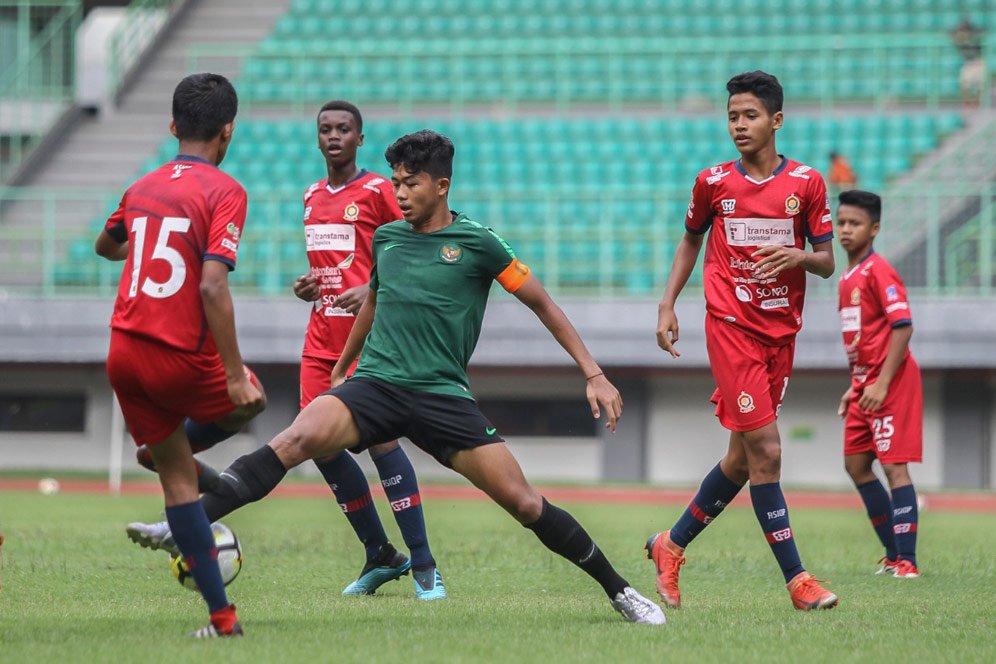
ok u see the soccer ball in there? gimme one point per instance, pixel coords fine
(229, 558)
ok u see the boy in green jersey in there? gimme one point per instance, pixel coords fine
(417, 329)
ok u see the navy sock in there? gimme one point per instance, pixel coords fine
(879, 508)
(352, 492)
(715, 493)
(561, 533)
(192, 532)
(249, 478)
(772, 514)
(205, 436)
(401, 486)
(904, 521)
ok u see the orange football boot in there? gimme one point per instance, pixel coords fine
(668, 559)
(906, 570)
(807, 593)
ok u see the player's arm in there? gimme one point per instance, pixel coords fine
(112, 243)
(685, 257)
(873, 395)
(773, 260)
(600, 391)
(220, 313)
(356, 339)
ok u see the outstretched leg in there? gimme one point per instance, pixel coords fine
(494, 470)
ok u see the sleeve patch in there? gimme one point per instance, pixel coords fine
(514, 276)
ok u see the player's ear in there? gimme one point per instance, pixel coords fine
(443, 187)
(172, 128)
(360, 141)
(227, 131)
(876, 227)
(777, 120)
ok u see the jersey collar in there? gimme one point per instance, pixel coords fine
(847, 275)
(336, 190)
(196, 160)
(743, 171)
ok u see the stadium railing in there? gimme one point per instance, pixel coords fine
(36, 83)
(136, 33)
(613, 258)
(918, 70)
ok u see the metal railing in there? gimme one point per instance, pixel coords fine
(136, 33)
(37, 85)
(915, 70)
(610, 254)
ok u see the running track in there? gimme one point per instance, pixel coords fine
(940, 502)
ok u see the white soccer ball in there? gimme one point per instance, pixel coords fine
(48, 486)
(229, 558)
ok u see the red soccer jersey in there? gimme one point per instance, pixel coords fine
(872, 302)
(338, 229)
(785, 209)
(178, 216)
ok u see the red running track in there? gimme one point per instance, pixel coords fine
(940, 502)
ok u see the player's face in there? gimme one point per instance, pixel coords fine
(418, 194)
(750, 125)
(338, 137)
(855, 228)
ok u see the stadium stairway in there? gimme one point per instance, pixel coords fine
(106, 151)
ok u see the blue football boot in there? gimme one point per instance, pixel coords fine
(389, 565)
(428, 584)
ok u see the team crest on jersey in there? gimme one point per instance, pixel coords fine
(745, 402)
(856, 296)
(234, 231)
(178, 170)
(450, 253)
(345, 263)
(352, 212)
(729, 205)
(792, 204)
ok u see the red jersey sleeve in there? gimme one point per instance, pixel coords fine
(819, 221)
(700, 212)
(115, 225)
(227, 220)
(891, 293)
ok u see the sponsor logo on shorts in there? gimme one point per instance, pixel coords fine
(777, 303)
(490, 430)
(745, 402)
(756, 232)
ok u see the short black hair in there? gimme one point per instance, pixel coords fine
(340, 105)
(762, 85)
(423, 150)
(866, 200)
(202, 105)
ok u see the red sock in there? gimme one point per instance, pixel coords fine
(224, 619)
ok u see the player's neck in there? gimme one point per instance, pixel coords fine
(201, 150)
(858, 255)
(762, 164)
(439, 220)
(339, 177)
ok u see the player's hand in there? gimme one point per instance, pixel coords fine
(603, 395)
(667, 330)
(352, 299)
(306, 287)
(243, 393)
(776, 259)
(337, 379)
(873, 396)
(845, 401)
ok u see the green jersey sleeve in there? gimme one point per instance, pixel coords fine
(501, 262)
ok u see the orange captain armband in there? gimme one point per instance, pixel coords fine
(513, 276)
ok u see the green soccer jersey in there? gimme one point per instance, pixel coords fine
(432, 289)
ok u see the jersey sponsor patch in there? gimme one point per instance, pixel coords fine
(330, 237)
(850, 319)
(752, 232)
(776, 303)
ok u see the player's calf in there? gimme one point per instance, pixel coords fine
(207, 477)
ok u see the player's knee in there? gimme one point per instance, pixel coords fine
(295, 445)
(897, 474)
(377, 451)
(527, 506)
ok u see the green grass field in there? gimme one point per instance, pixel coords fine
(75, 589)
